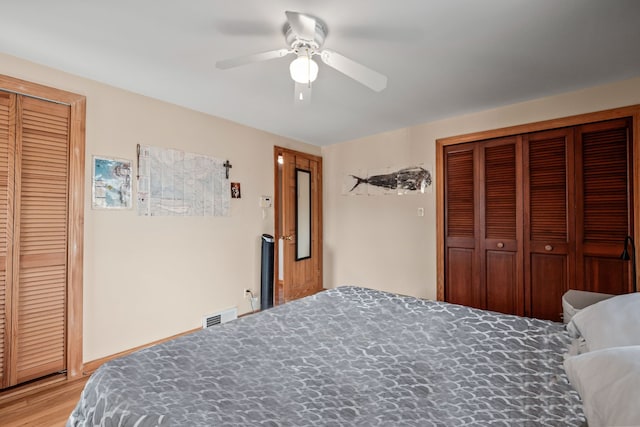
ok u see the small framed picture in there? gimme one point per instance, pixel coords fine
(235, 190)
(111, 183)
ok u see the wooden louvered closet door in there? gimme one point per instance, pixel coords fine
(605, 214)
(483, 210)
(35, 199)
(462, 263)
(528, 217)
(7, 136)
(501, 225)
(549, 253)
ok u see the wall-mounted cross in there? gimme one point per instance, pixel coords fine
(227, 166)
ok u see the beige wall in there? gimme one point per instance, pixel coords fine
(149, 278)
(380, 241)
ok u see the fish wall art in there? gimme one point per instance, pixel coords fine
(414, 179)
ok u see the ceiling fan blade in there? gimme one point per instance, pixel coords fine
(303, 25)
(256, 57)
(356, 71)
(302, 94)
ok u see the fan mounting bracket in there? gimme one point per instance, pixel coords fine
(292, 39)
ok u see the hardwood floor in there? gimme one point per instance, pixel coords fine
(46, 408)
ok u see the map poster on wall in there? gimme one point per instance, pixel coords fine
(177, 183)
(111, 183)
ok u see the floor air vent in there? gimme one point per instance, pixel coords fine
(220, 317)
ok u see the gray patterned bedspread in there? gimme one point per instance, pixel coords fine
(344, 357)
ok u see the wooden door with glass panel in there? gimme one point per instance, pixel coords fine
(298, 201)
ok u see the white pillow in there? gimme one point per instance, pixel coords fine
(608, 382)
(614, 322)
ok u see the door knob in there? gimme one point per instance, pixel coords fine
(548, 248)
(500, 245)
(289, 237)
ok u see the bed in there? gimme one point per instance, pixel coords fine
(348, 356)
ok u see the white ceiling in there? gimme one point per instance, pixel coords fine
(442, 57)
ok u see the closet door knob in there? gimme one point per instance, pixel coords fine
(500, 245)
(548, 248)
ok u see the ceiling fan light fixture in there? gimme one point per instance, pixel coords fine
(303, 69)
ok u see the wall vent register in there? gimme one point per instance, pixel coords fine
(219, 317)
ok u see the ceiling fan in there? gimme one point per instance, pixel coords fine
(305, 35)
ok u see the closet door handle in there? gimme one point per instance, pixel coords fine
(500, 245)
(548, 248)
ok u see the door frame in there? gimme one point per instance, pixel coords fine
(75, 221)
(317, 248)
(632, 111)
